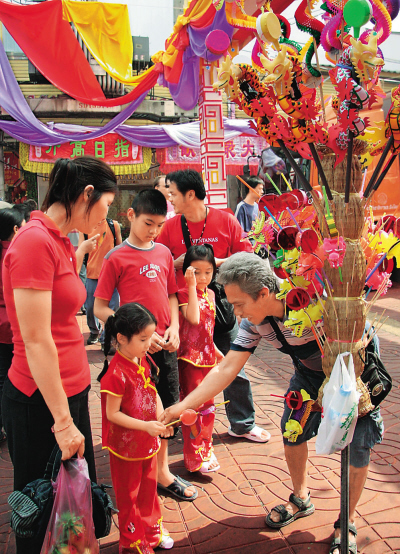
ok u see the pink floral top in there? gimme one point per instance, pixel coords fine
(132, 383)
(197, 341)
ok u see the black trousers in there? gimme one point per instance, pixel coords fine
(27, 422)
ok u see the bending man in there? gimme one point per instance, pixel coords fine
(251, 287)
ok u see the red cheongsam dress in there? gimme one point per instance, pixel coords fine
(133, 458)
(196, 356)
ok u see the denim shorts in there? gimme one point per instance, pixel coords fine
(368, 431)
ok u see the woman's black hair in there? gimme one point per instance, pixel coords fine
(130, 319)
(203, 252)
(69, 178)
(9, 218)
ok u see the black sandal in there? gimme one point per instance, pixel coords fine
(306, 508)
(177, 488)
(336, 542)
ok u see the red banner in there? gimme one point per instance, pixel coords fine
(11, 168)
(236, 153)
(111, 148)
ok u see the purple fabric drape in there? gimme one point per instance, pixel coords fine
(186, 92)
(28, 128)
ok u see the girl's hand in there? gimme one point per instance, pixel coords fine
(70, 441)
(190, 277)
(155, 428)
(157, 343)
(89, 245)
(169, 431)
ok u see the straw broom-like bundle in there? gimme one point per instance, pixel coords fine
(345, 313)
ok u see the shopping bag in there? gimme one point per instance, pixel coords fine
(339, 408)
(70, 529)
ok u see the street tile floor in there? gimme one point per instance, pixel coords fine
(228, 515)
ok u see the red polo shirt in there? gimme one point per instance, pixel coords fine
(41, 257)
(221, 230)
(144, 275)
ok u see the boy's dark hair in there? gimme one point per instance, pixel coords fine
(202, 252)
(253, 182)
(9, 217)
(188, 179)
(150, 201)
(29, 206)
(69, 178)
(130, 319)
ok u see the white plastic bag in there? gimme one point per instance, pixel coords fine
(339, 408)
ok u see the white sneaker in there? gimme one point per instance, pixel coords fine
(167, 542)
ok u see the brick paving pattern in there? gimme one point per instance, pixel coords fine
(228, 515)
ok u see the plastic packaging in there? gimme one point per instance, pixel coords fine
(70, 529)
(339, 408)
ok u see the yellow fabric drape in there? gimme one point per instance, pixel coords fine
(195, 10)
(106, 31)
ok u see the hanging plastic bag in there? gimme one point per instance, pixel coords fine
(70, 529)
(339, 408)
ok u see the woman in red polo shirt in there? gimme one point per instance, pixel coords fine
(45, 397)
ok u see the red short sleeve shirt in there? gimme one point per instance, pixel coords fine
(131, 382)
(42, 258)
(222, 231)
(140, 275)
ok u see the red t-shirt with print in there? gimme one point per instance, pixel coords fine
(41, 257)
(140, 275)
(222, 231)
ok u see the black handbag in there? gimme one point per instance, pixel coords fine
(225, 318)
(31, 507)
(375, 376)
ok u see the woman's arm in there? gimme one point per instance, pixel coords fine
(114, 415)
(33, 309)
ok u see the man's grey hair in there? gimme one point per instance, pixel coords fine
(249, 272)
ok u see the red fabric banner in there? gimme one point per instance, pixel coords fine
(49, 42)
(111, 148)
(236, 153)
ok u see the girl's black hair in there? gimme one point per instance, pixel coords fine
(69, 178)
(203, 252)
(130, 319)
(9, 218)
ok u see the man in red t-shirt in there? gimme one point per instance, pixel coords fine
(224, 233)
(143, 271)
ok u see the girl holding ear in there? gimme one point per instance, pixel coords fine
(45, 396)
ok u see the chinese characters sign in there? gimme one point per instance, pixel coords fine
(236, 154)
(11, 168)
(111, 148)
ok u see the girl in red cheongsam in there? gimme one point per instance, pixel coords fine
(197, 353)
(130, 405)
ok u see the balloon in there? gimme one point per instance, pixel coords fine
(357, 13)
(188, 417)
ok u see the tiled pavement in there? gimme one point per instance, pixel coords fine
(228, 516)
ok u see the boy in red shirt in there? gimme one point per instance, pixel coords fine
(143, 271)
